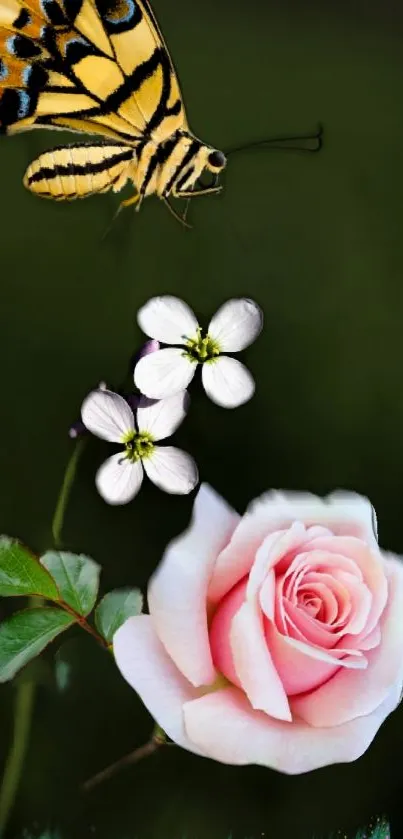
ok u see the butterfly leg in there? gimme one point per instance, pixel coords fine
(179, 218)
(210, 190)
(135, 199)
(128, 202)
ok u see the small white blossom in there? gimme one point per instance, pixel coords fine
(165, 372)
(107, 415)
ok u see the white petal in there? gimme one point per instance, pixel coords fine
(147, 667)
(227, 382)
(162, 417)
(177, 592)
(167, 319)
(164, 373)
(236, 324)
(172, 470)
(107, 415)
(118, 480)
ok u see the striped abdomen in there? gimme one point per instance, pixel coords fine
(72, 172)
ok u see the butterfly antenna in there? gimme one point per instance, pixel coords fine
(185, 212)
(311, 143)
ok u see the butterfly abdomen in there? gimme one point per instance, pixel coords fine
(78, 171)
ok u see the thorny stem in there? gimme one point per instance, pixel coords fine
(25, 691)
(157, 739)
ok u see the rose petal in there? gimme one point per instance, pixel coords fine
(342, 512)
(236, 324)
(228, 730)
(107, 415)
(361, 601)
(370, 563)
(254, 665)
(267, 595)
(298, 673)
(147, 668)
(220, 629)
(162, 417)
(350, 694)
(177, 591)
(118, 480)
(164, 373)
(227, 382)
(248, 547)
(168, 319)
(171, 469)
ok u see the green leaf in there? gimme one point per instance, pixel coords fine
(25, 634)
(21, 572)
(115, 608)
(77, 578)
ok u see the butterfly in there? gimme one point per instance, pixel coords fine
(99, 67)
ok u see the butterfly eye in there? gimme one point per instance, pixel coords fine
(216, 160)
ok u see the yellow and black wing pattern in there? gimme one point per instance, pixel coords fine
(98, 67)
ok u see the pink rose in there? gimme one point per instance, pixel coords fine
(275, 638)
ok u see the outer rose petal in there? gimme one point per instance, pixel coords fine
(168, 319)
(147, 668)
(353, 693)
(177, 591)
(344, 513)
(236, 324)
(228, 730)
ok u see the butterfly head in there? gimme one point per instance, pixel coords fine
(216, 161)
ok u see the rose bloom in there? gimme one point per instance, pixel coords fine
(275, 638)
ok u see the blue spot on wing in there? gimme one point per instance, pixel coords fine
(123, 13)
(24, 104)
(26, 75)
(3, 71)
(10, 45)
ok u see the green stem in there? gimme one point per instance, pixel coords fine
(16, 756)
(64, 494)
(158, 738)
(25, 692)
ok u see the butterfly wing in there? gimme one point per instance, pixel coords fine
(98, 66)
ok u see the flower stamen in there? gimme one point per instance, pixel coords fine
(138, 445)
(201, 348)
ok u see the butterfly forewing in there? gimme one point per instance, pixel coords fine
(84, 62)
(96, 67)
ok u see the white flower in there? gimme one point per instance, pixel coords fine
(107, 415)
(165, 372)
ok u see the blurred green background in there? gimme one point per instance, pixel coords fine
(317, 241)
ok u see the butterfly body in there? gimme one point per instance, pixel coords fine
(98, 67)
(77, 171)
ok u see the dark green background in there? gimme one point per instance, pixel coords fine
(317, 241)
